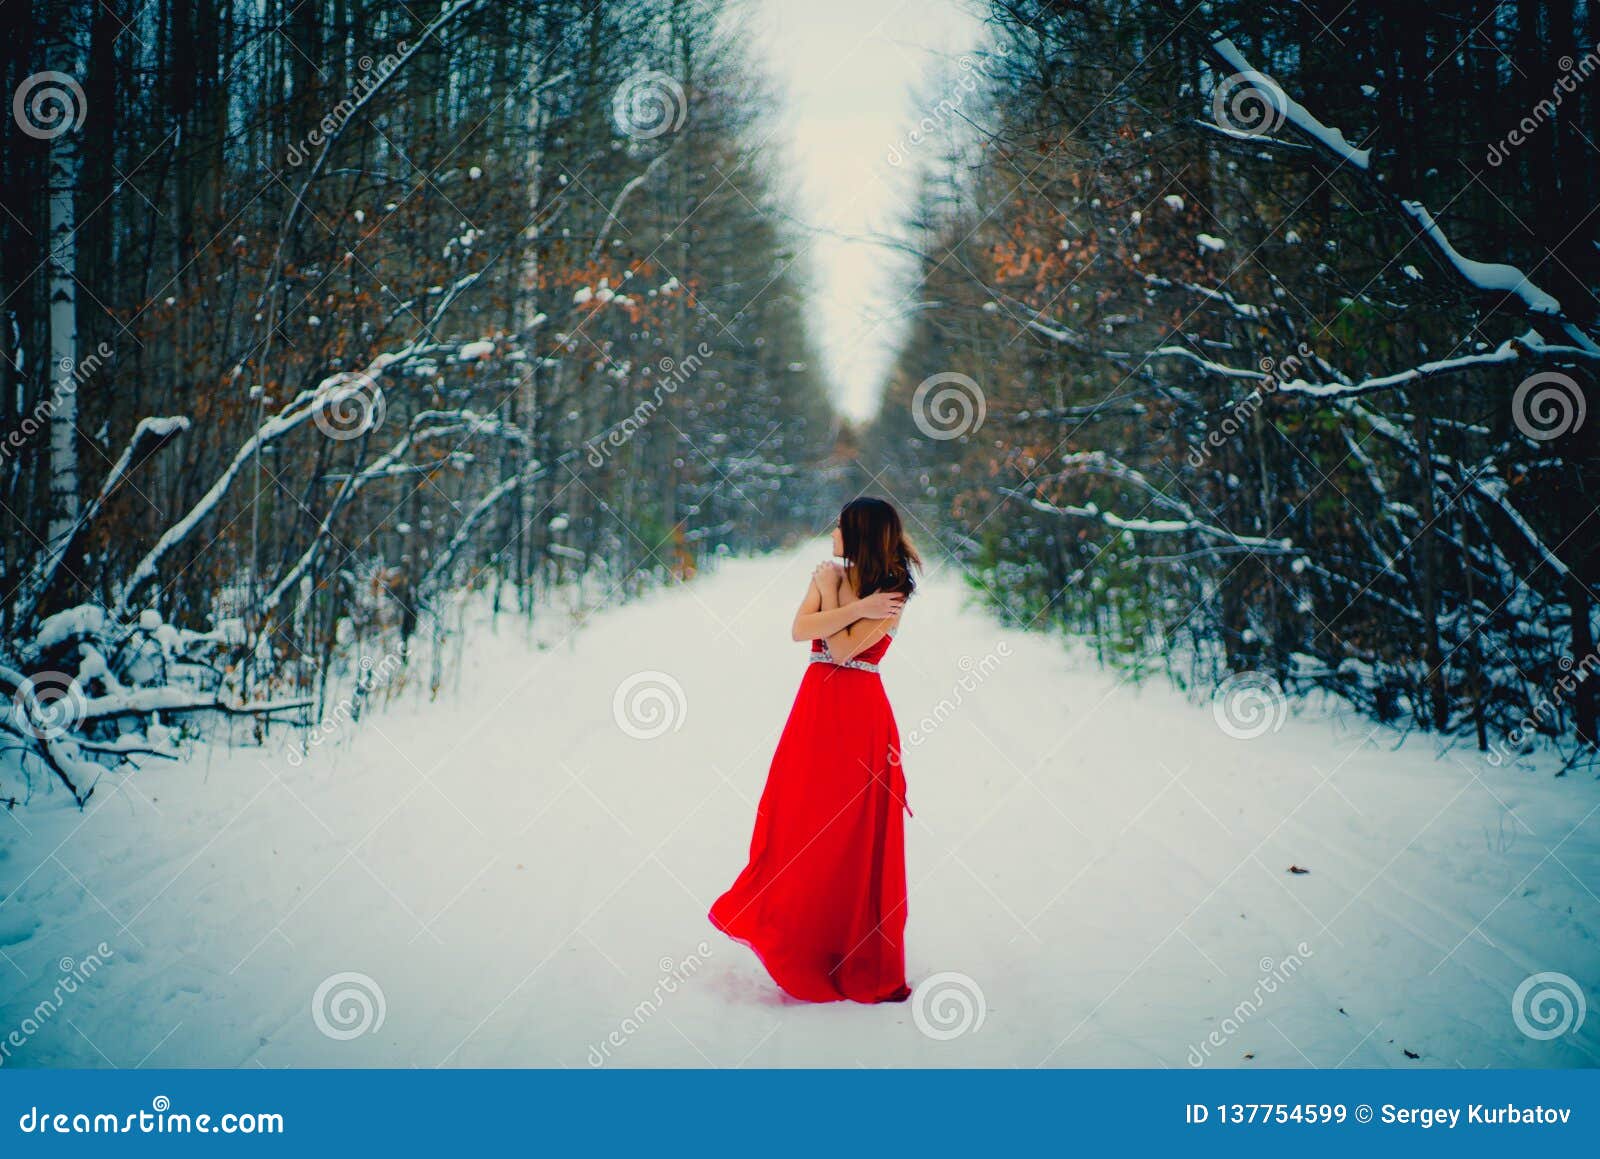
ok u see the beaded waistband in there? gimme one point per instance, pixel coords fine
(823, 657)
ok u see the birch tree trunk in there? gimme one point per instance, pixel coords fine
(61, 268)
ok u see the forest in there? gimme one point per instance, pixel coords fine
(317, 313)
(1250, 342)
(1255, 342)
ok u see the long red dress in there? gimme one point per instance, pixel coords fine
(823, 900)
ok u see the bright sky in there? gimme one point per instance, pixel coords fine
(853, 77)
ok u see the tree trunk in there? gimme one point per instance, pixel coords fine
(61, 268)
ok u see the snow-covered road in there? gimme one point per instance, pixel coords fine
(1099, 873)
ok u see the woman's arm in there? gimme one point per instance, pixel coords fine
(879, 613)
(823, 614)
(859, 635)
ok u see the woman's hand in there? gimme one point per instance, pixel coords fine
(828, 576)
(880, 605)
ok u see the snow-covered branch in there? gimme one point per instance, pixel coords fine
(333, 394)
(1485, 277)
(1528, 347)
(1487, 485)
(1293, 111)
(1155, 526)
(1207, 364)
(1188, 521)
(507, 486)
(1490, 277)
(1245, 310)
(613, 214)
(1036, 321)
(334, 391)
(149, 434)
(425, 426)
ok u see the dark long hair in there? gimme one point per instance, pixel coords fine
(875, 544)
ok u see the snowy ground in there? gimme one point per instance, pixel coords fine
(1103, 867)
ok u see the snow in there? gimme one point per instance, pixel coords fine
(1494, 277)
(165, 426)
(472, 351)
(1507, 351)
(1243, 309)
(1174, 202)
(1208, 364)
(166, 697)
(1511, 350)
(1293, 111)
(1210, 242)
(70, 624)
(522, 879)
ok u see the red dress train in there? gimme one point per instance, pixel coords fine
(822, 901)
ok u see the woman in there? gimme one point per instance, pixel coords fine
(823, 899)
